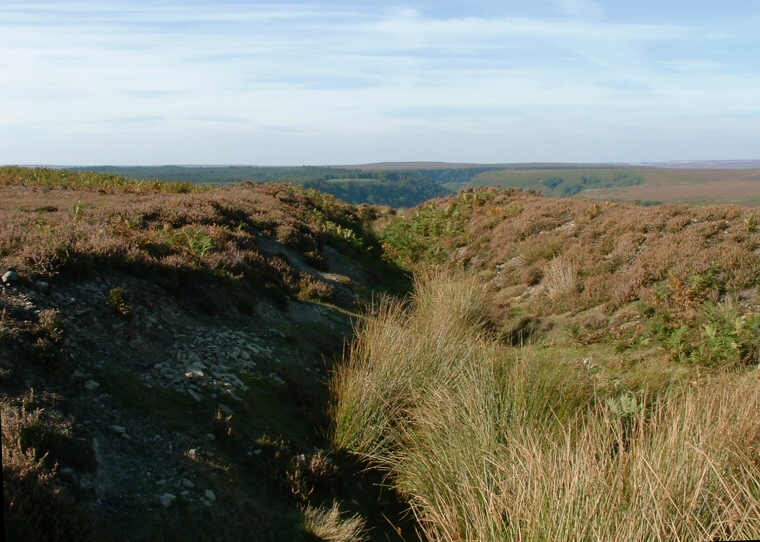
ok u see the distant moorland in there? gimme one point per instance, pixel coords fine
(404, 185)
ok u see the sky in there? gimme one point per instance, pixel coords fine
(156, 82)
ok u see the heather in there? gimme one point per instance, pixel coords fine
(565, 369)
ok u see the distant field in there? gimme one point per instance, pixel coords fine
(723, 191)
(636, 183)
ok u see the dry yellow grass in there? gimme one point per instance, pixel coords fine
(495, 443)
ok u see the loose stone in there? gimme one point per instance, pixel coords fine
(167, 499)
(227, 410)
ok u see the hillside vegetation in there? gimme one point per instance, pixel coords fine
(164, 352)
(357, 186)
(559, 369)
(575, 370)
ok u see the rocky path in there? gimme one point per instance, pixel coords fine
(177, 419)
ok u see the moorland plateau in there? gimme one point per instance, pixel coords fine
(408, 184)
(265, 362)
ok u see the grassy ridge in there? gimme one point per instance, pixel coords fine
(683, 279)
(494, 443)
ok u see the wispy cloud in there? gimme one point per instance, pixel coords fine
(334, 72)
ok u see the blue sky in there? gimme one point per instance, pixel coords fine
(296, 82)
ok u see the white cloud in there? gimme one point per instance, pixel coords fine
(317, 78)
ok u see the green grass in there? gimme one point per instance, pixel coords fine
(432, 231)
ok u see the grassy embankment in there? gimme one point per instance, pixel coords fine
(594, 378)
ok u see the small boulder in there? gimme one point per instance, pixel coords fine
(167, 499)
(91, 385)
(42, 286)
(10, 276)
(226, 410)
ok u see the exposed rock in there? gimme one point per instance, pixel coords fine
(210, 496)
(42, 286)
(91, 385)
(194, 394)
(120, 430)
(187, 483)
(78, 376)
(226, 410)
(167, 499)
(10, 276)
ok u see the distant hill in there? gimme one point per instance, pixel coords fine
(706, 164)
(406, 184)
(396, 188)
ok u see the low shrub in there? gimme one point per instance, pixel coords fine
(34, 506)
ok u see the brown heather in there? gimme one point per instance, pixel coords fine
(233, 252)
(620, 251)
(187, 237)
(606, 390)
(34, 506)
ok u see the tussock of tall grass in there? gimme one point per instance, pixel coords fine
(489, 443)
(560, 279)
(328, 525)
